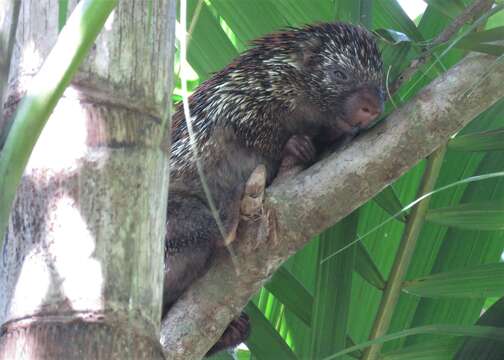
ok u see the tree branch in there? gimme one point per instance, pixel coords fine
(470, 14)
(300, 207)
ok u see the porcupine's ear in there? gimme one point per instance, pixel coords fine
(308, 51)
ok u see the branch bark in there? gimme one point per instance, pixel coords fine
(9, 15)
(300, 207)
(470, 13)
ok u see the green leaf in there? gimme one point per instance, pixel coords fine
(474, 348)
(387, 199)
(494, 34)
(488, 215)
(209, 48)
(450, 8)
(496, 20)
(333, 288)
(394, 61)
(366, 267)
(458, 248)
(264, 341)
(392, 36)
(356, 11)
(495, 50)
(271, 308)
(249, 19)
(389, 14)
(434, 350)
(222, 355)
(62, 13)
(289, 291)
(298, 13)
(303, 266)
(465, 247)
(486, 332)
(481, 141)
(242, 354)
(475, 282)
(356, 354)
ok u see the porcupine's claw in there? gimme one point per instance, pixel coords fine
(300, 150)
(236, 333)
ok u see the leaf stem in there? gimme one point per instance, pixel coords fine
(404, 254)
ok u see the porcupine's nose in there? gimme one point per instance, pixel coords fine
(370, 106)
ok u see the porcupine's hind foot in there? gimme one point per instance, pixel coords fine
(250, 211)
(298, 152)
(236, 333)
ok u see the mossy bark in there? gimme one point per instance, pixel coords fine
(82, 267)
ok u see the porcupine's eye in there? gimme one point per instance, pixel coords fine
(340, 75)
(337, 74)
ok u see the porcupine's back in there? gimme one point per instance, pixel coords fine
(251, 99)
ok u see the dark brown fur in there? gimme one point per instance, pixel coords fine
(279, 103)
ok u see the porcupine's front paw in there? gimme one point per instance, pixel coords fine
(298, 153)
(299, 150)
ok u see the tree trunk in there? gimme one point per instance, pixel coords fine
(81, 271)
(9, 13)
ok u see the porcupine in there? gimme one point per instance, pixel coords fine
(280, 103)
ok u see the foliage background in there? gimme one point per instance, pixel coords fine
(312, 309)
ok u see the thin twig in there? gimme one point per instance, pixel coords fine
(469, 14)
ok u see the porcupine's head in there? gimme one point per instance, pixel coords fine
(338, 74)
(347, 66)
(321, 80)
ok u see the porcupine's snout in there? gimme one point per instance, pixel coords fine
(364, 107)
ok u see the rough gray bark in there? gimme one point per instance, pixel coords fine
(82, 267)
(9, 13)
(300, 207)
